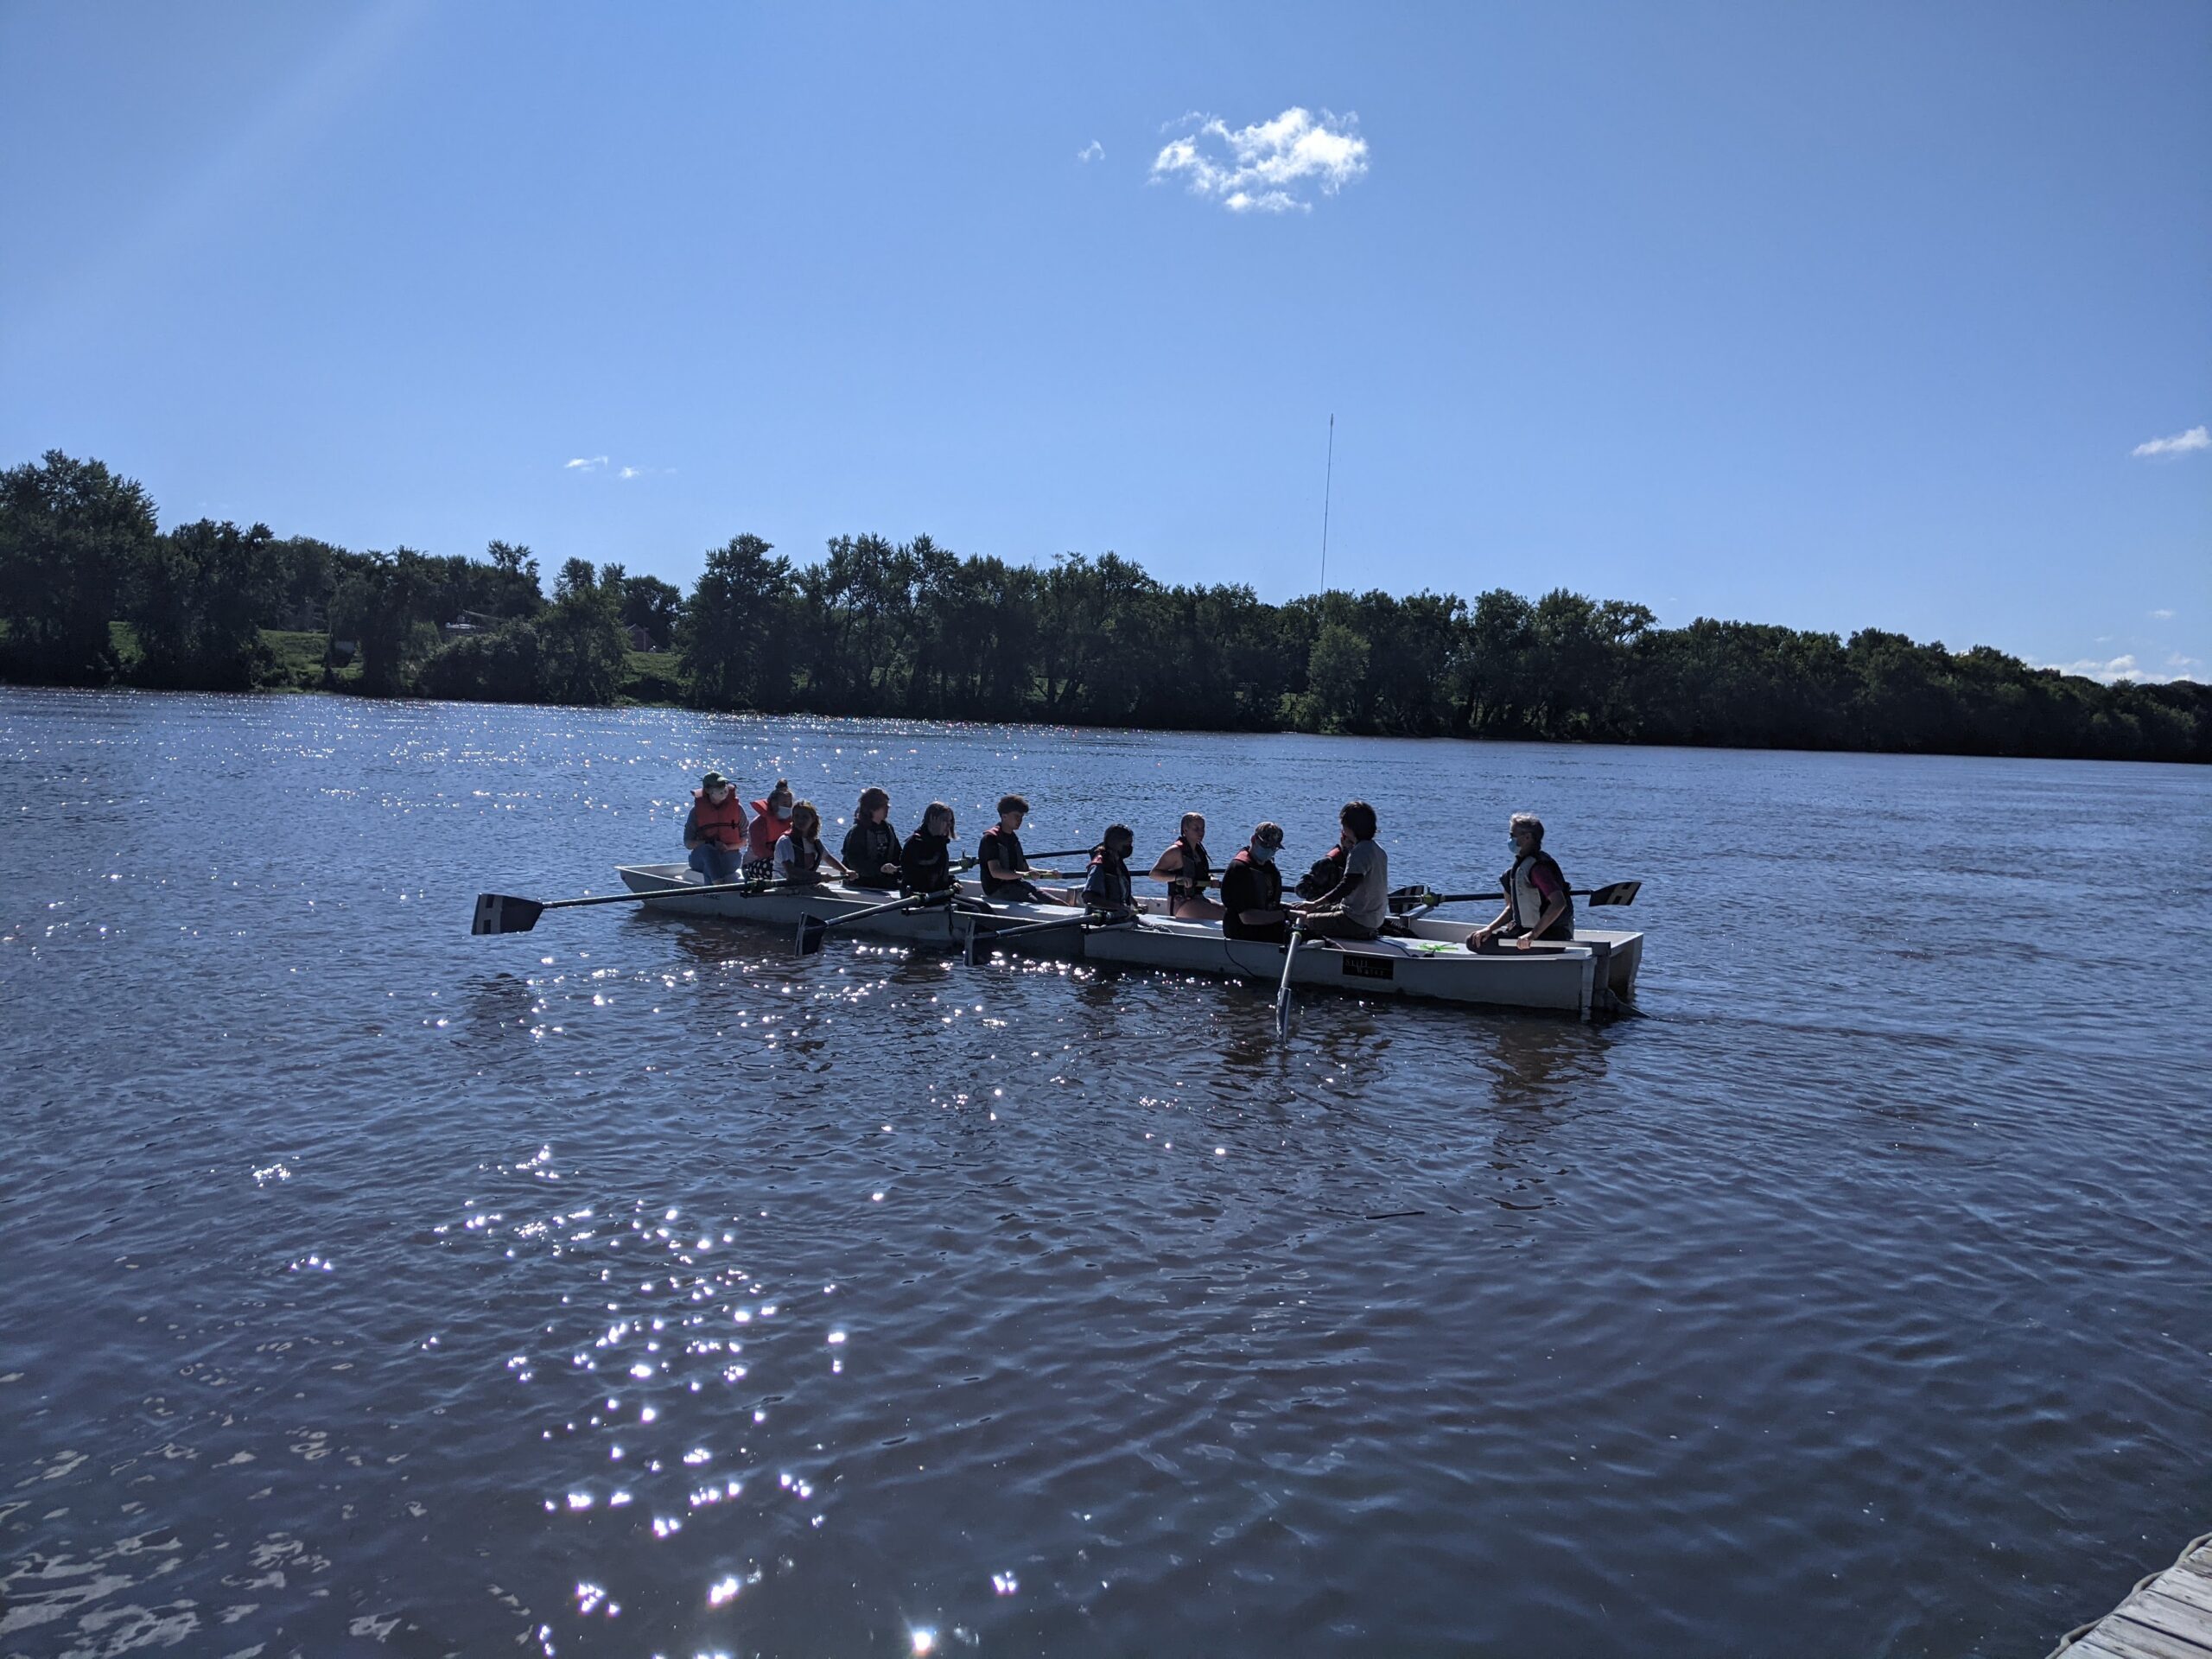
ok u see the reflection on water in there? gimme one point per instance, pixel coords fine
(632, 1286)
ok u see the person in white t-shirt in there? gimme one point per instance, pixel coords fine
(1357, 905)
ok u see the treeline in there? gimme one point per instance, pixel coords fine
(875, 628)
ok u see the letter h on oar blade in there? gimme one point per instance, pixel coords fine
(501, 912)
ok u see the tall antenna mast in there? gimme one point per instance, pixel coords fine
(1327, 478)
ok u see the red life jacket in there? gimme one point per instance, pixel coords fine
(768, 829)
(723, 825)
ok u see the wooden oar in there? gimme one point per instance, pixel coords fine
(1282, 991)
(1027, 929)
(502, 913)
(812, 928)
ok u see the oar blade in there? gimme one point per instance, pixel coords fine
(1616, 892)
(810, 930)
(502, 913)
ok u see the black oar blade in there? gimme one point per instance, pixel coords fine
(1616, 893)
(501, 913)
(810, 930)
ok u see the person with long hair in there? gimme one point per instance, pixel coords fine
(871, 849)
(799, 854)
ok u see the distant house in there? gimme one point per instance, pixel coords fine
(469, 622)
(640, 639)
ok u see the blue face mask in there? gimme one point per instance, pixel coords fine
(1262, 855)
(1514, 848)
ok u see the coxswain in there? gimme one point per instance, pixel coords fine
(1538, 903)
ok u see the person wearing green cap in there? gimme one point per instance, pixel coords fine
(713, 832)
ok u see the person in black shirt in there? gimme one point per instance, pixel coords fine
(1005, 868)
(871, 849)
(1251, 891)
(926, 864)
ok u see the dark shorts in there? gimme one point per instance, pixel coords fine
(1017, 893)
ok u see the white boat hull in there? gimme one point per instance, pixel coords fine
(1593, 974)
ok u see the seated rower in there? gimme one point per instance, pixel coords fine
(1251, 891)
(925, 866)
(871, 849)
(772, 818)
(1106, 891)
(1188, 873)
(1004, 868)
(1538, 905)
(1324, 872)
(713, 830)
(1357, 905)
(799, 852)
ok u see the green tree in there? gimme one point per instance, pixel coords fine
(581, 653)
(1336, 678)
(733, 640)
(71, 534)
(389, 607)
(197, 603)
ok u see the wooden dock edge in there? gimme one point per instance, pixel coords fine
(2166, 1616)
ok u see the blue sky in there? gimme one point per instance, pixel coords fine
(1837, 316)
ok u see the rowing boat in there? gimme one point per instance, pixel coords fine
(1594, 974)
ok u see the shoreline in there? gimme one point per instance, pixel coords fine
(1534, 739)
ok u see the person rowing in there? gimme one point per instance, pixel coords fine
(1106, 891)
(1188, 873)
(1357, 905)
(1538, 903)
(1251, 891)
(715, 831)
(1004, 866)
(771, 820)
(799, 852)
(871, 849)
(925, 865)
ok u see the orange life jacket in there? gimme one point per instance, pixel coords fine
(723, 825)
(768, 829)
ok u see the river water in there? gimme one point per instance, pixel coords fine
(629, 1286)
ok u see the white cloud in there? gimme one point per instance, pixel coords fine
(2163, 614)
(1268, 167)
(2108, 669)
(2112, 669)
(1091, 152)
(2182, 443)
(585, 464)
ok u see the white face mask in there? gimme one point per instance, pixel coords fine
(783, 812)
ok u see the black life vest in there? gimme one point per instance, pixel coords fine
(805, 859)
(999, 847)
(1198, 870)
(868, 847)
(1327, 870)
(1527, 904)
(926, 865)
(1108, 886)
(1247, 884)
